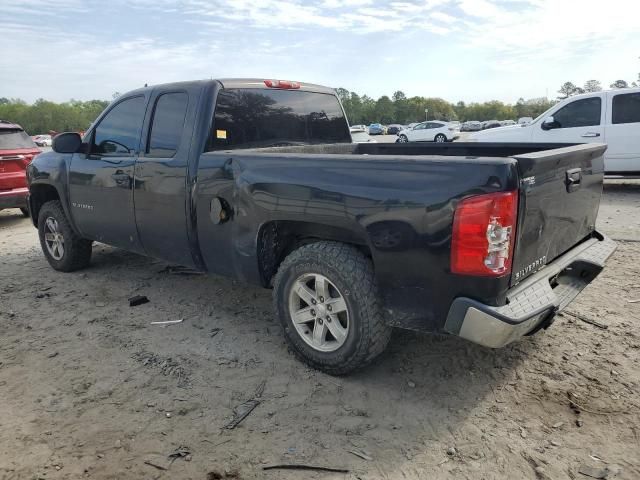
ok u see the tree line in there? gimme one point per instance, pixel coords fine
(74, 115)
(362, 109)
(43, 115)
(402, 109)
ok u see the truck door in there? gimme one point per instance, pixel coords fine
(160, 191)
(579, 121)
(623, 133)
(101, 181)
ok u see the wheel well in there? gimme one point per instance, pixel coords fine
(41, 194)
(278, 239)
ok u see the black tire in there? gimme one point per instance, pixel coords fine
(403, 139)
(440, 138)
(352, 274)
(77, 250)
(25, 212)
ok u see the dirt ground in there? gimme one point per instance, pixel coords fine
(90, 389)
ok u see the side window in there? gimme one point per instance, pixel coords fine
(118, 132)
(626, 108)
(167, 125)
(581, 113)
(420, 126)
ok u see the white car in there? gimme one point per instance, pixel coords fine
(430, 132)
(611, 117)
(524, 120)
(43, 140)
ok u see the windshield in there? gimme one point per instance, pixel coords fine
(253, 118)
(14, 139)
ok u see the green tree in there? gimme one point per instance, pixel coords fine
(384, 110)
(566, 90)
(619, 84)
(592, 86)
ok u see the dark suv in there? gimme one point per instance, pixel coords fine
(17, 149)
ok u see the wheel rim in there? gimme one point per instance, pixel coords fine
(53, 239)
(403, 139)
(319, 312)
(440, 138)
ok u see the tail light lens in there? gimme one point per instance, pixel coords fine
(484, 229)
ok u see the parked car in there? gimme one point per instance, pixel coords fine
(16, 151)
(42, 140)
(611, 116)
(353, 238)
(376, 129)
(429, 132)
(394, 129)
(360, 136)
(357, 128)
(524, 120)
(490, 124)
(506, 123)
(471, 126)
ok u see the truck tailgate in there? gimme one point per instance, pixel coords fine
(560, 193)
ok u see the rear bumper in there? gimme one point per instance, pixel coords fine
(532, 303)
(14, 198)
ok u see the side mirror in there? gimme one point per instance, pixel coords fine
(549, 123)
(68, 142)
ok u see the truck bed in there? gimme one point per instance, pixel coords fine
(399, 200)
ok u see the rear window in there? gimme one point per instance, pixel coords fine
(12, 139)
(626, 108)
(254, 118)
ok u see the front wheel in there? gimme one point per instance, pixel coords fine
(440, 138)
(326, 297)
(63, 248)
(403, 139)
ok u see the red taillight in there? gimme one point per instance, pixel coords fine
(484, 228)
(286, 84)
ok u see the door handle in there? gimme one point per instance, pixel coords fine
(591, 135)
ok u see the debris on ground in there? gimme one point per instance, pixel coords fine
(243, 410)
(305, 467)
(216, 475)
(138, 300)
(155, 465)
(360, 454)
(609, 471)
(168, 322)
(588, 320)
(180, 270)
(214, 332)
(180, 452)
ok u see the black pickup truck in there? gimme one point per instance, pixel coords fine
(259, 180)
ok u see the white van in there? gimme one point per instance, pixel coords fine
(611, 117)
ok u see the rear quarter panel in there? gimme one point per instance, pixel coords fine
(401, 208)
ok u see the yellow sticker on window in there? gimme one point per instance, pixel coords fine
(221, 134)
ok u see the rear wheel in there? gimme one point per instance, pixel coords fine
(440, 138)
(403, 139)
(326, 297)
(63, 248)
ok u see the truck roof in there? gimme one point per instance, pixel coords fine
(240, 83)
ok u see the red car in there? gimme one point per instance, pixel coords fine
(16, 151)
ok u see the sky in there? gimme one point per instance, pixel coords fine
(470, 50)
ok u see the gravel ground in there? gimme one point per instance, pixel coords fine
(90, 389)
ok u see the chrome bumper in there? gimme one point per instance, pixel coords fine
(532, 302)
